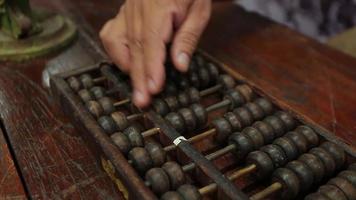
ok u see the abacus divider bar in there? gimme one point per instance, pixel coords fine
(134, 116)
(122, 102)
(150, 132)
(221, 104)
(267, 191)
(193, 139)
(99, 79)
(210, 90)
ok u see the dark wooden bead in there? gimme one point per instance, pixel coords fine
(120, 119)
(200, 113)
(87, 81)
(194, 95)
(348, 175)
(200, 61)
(85, 95)
(316, 196)
(277, 155)
(175, 174)
(95, 108)
(190, 120)
(246, 92)
(256, 111)
(107, 124)
(344, 185)
(266, 105)
(177, 121)
(189, 192)
(310, 135)
(288, 147)
(332, 192)
(98, 92)
(276, 124)
(74, 83)
(184, 99)
(171, 195)
(303, 173)
(134, 135)
(352, 167)
(336, 152)
(236, 99)
(233, 120)
(223, 129)
(107, 104)
(213, 72)
(183, 83)
(204, 77)
(255, 136)
(244, 115)
(299, 140)
(158, 179)
(122, 142)
(170, 89)
(243, 145)
(226, 81)
(140, 159)
(157, 154)
(326, 158)
(315, 165)
(287, 119)
(194, 79)
(289, 181)
(266, 130)
(172, 103)
(160, 106)
(263, 163)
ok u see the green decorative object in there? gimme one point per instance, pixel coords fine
(27, 33)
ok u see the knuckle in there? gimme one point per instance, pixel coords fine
(189, 38)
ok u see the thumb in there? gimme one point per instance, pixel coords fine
(187, 36)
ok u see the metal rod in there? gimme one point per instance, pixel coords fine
(210, 90)
(99, 79)
(219, 105)
(150, 132)
(122, 102)
(267, 191)
(134, 116)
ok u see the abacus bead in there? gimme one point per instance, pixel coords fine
(233, 120)
(326, 158)
(244, 115)
(348, 175)
(133, 133)
(98, 92)
(190, 120)
(189, 192)
(255, 136)
(194, 95)
(223, 129)
(120, 119)
(184, 99)
(157, 154)
(86, 80)
(74, 83)
(85, 95)
(263, 163)
(276, 153)
(288, 147)
(309, 134)
(200, 61)
(303, 173)
(108, 124)
(160, 106)
(299, 141)
(200, 113)
(287, 119)
(226, 81)
(345, 186)
(266, 130)
(243, 144)
(246, 92)
(352, 167)
(315, 165)
(256, 111)
(316, 196)
(332, 192)
(194, 79)
(276, 124)
(183, 82)
(235, 97)
(177, 121)
(122, 142)
(289, 181)
(172, 103)
(213, 72)
(170, 88)
(175, 174)
(171, 195)
(265, 104)
(337, 153)
(95, 108)
(204, 77)
(107, 104)
(140, 158)
(158, 179)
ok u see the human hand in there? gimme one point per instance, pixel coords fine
(136, 40)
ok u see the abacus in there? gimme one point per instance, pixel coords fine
(208, 135)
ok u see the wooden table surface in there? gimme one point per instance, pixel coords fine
(43, 156)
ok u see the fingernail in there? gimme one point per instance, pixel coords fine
(139, 97)
(183, 59)
(152, 84)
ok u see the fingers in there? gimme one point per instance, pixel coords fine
(188, 34)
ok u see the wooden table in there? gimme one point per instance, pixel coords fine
(43, 156)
